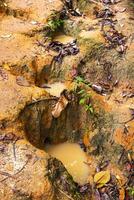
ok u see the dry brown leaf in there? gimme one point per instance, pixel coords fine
(20, 80)
(86, 140)
(60, 106)
(3, 74)
(101, 178)
(121, 193)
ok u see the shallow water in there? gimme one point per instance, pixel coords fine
(73, 158)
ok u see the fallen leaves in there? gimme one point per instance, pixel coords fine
(86, 140)
(114, 38)
(121, 188)
(20, 80)
(69, 9)
(10, 137)
(60, 106)
(121, 193)
(101, 178)
(3, 74)
(63, 49)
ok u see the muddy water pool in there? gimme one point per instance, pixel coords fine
(73, 158)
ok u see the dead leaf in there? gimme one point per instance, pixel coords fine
(20, 80)
(121, 189)
(121, 193)
(3, 75)
(60, 106)
(86, 140)
(129, 157)
(101, 178)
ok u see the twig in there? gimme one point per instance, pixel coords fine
(65, 194)
(22, 167)
(5, 174)
(14, 149)
(12, 176)
(87, 163)
(127, 121)
(45, 99)
(121, 156)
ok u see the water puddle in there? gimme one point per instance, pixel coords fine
(63, 38)
(73, 158)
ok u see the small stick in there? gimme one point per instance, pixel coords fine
(127, 121)
(121, 156)
(12, 176)
(45, 99)
(65, 194)
(5, 174)
(87, 163)
(14, 149)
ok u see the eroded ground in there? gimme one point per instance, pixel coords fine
(78, 91)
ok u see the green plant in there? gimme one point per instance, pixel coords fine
(54, 24)
(84, 96)
(79, 79)
(131, 191)
(85, 100)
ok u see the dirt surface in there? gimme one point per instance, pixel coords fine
(30, 68)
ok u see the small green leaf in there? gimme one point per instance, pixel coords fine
(79, 79)
(131, 191)
(82, 101)
(91, 110)
(81, 91)
(89, 84)
(86, 107)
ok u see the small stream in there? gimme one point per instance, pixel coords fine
(73, 158)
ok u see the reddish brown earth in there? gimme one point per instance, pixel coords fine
(26, 108)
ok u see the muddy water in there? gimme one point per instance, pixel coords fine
(73, 158)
